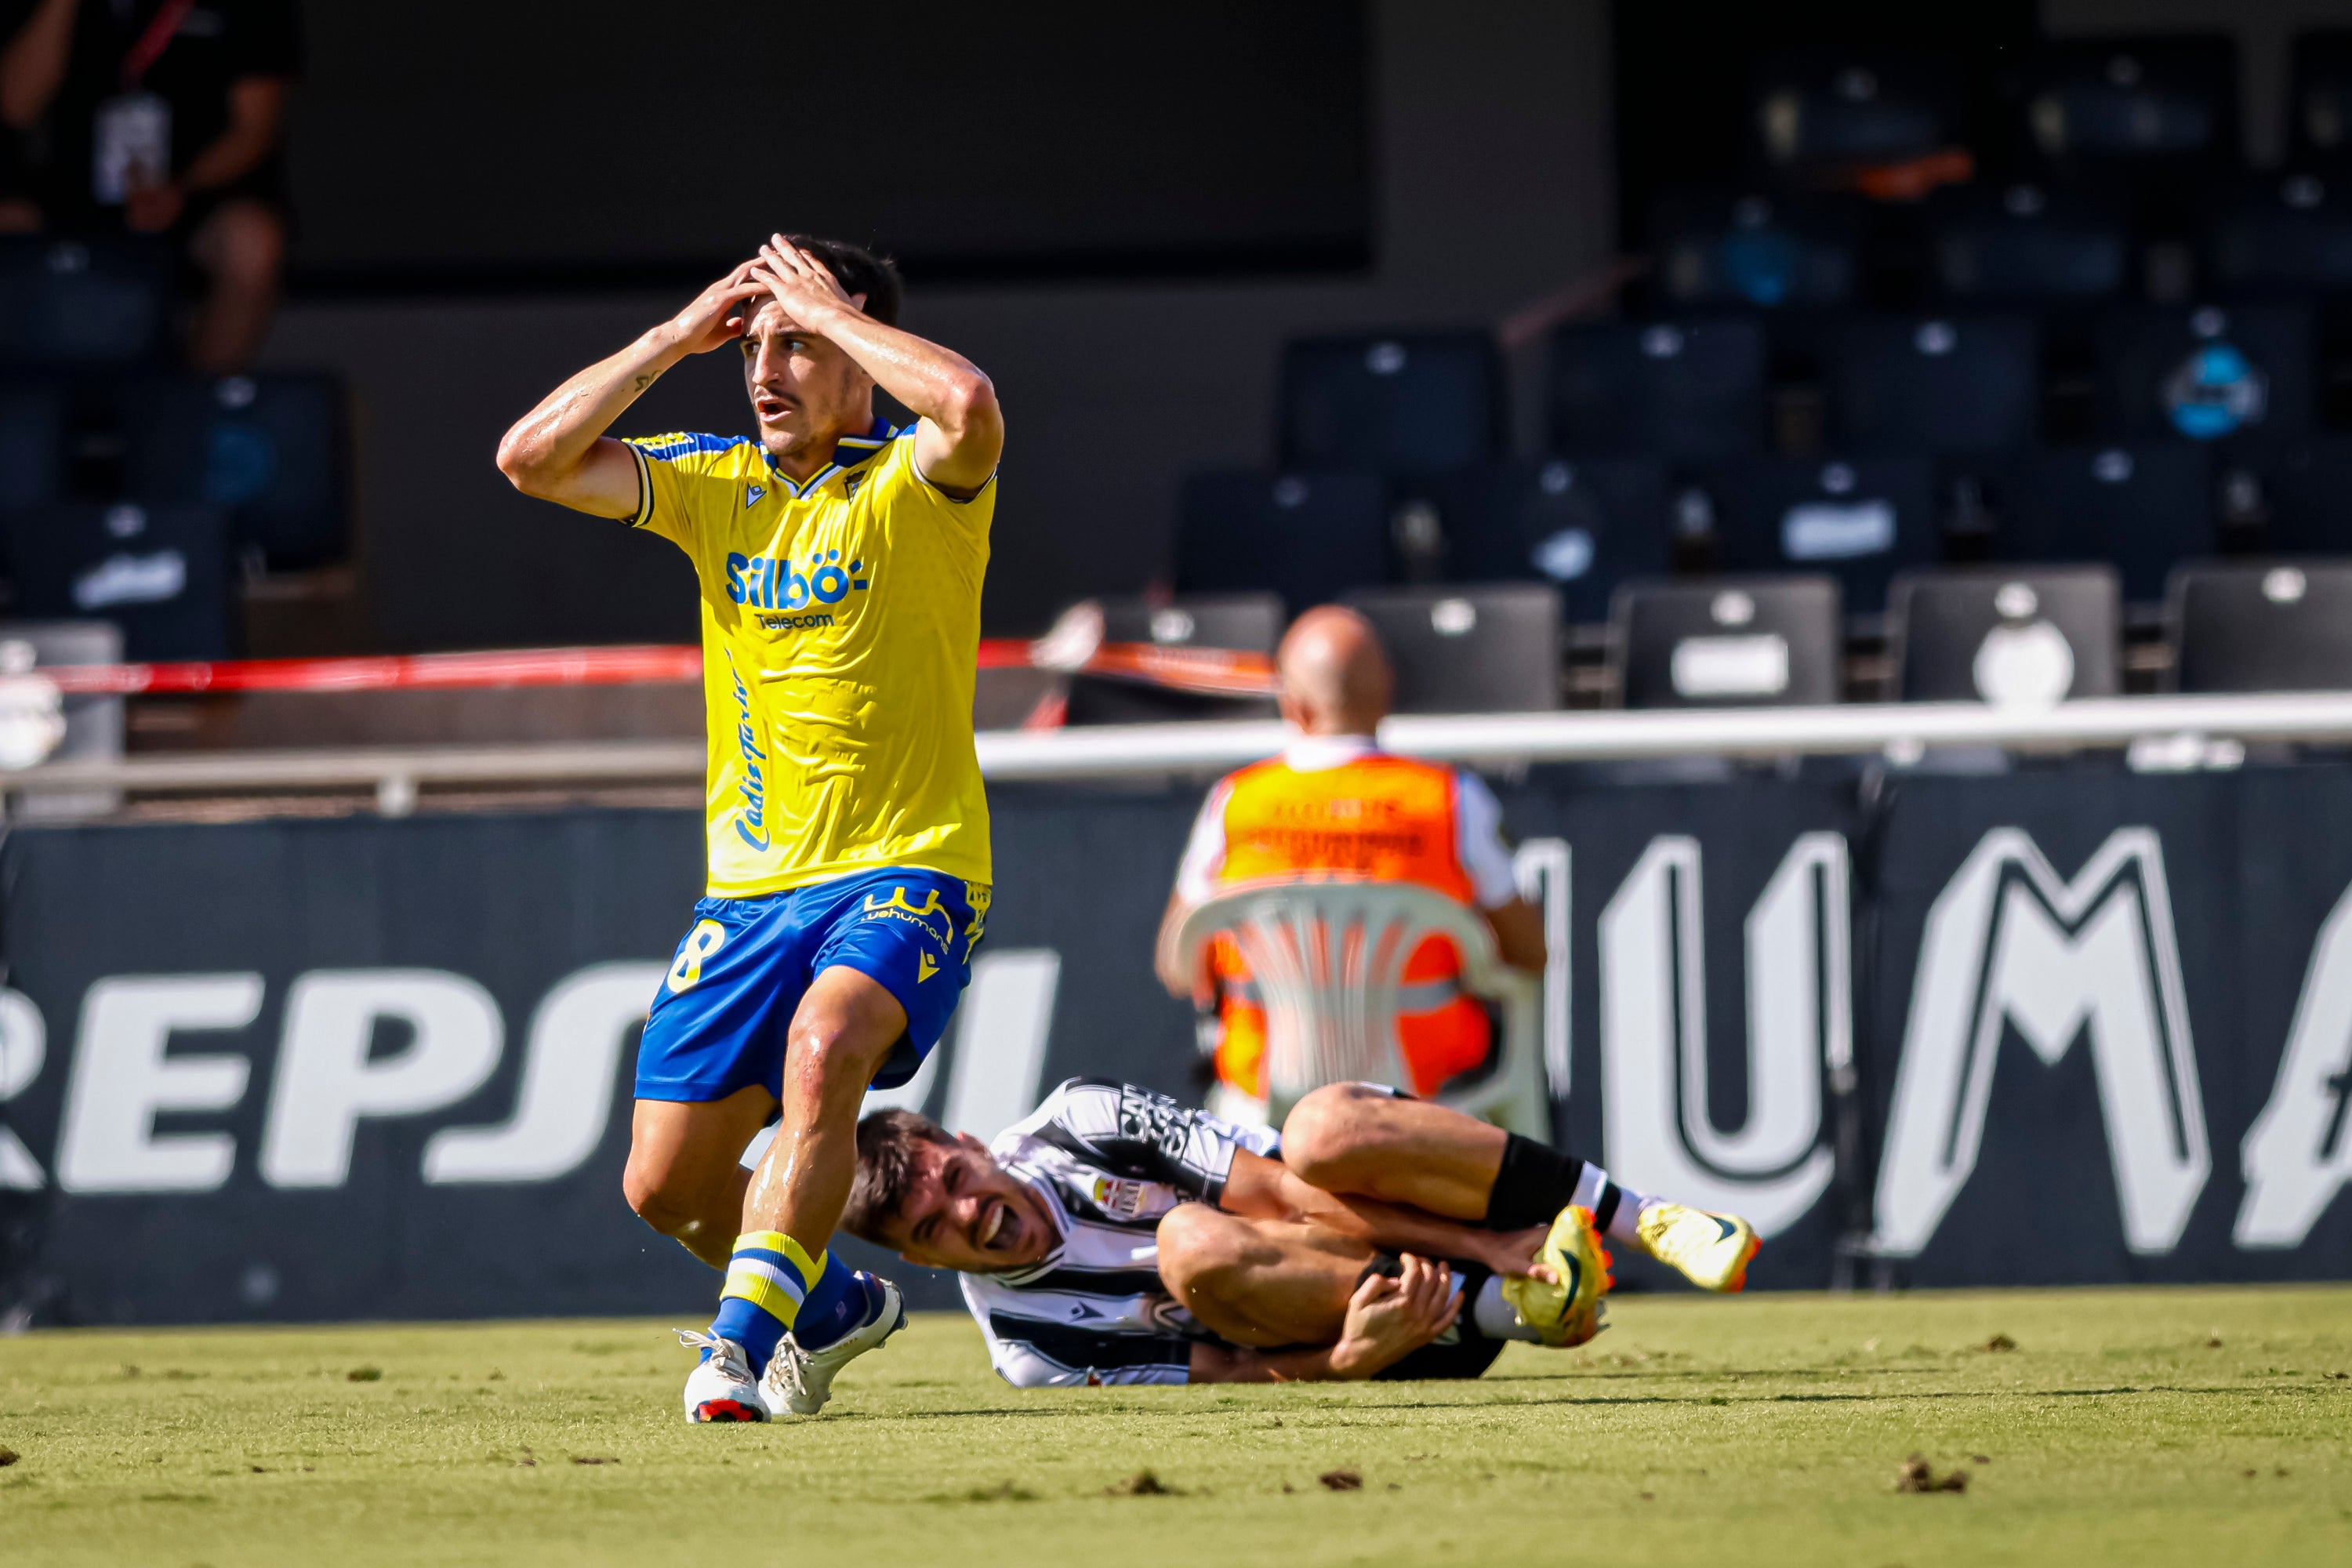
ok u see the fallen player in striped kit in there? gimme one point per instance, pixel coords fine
(1116, 1236)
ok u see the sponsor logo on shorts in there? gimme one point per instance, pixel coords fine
(920, 916)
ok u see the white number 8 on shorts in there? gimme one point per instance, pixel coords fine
(707, 938)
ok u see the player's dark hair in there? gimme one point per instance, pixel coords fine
(887, 1142)
(858, 271)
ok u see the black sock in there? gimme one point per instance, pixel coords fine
(1535, 1182)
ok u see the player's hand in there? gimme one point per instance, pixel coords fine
(804, 286)
(1388, 1320)
(720, 313)
(1515, 1252)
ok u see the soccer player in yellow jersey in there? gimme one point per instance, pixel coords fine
(840, 561)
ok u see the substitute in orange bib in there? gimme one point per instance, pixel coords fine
(1335, 802)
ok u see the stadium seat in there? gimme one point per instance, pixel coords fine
(2023, 245)
(1247, 623)
(2282, 235)
(1729, 642)
(2274, 625)
(2144, 507)
(1937, 384)
(270, 449)
(1489, 649)
(2240, 373)
(2309, 494)
(1582, 525)
(1304, 537)
(73, 303)
(2319, 100)
(2006, 635)
(32, 444)
(1405, 402)
(1753, 251)
(1819, 115)
(161, 574)
(1685, 391)
(1859, 520)
(2148, 109)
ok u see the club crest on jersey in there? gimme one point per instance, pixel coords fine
(1117, 1195)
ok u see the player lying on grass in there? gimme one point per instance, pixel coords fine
(1115, 1236)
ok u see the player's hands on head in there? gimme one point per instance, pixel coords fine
(801, 285)
(1388, 1320)
(720, 313)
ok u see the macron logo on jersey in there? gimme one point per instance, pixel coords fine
(751, 497)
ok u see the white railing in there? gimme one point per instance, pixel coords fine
(1899, 731)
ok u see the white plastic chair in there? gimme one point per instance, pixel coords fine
(1328, 954)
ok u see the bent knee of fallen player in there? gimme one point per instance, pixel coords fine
(1259, 1282)
(1364, 1141)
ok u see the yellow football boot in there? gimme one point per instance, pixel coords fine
(1711, 1250)
(1566, 1313)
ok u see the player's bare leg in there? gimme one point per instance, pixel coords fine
(1259, 1282)
(1359, 1141)
(685, 1176)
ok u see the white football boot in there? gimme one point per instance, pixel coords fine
(798, 1382)
(722, 1388)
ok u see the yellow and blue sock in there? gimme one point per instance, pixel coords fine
(773, 1285)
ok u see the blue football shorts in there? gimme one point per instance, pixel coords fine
(719, 1020)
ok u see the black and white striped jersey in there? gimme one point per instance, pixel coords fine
(1110, 1159)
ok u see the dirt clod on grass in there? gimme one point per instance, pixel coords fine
(364, 1375)
(1342, 1481)
(1917, 1476)
(1143, 1483)
(593, 1459)
(1004, 1491)
(1999, 1342)
(9, 1456)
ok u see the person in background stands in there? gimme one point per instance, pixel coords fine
(161, 117)
(1335, 802)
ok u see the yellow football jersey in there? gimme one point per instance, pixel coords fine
(840, 623)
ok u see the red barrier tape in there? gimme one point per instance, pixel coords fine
(1216, 671)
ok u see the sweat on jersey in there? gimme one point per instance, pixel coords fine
(840, 624)
(1110, 1159)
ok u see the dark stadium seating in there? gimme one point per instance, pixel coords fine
(2280, 624)
(1249, 623)
(1473, 650)
(2281, 236)
(32, 444)
(81, 303)
(2240, 373)
(1728, 642)
(1753, 251)
(1398, 402)
(1859, 520)
(1304, 537)
(1689, 390)
(2319, 100)
(1933, 383)
(2158, 108)
(161, 574)
(2144, 507)
(2006, 635)
(269, 450)
(1816, 114)
(1582, 525)
(2022, 244)
(2307, 494)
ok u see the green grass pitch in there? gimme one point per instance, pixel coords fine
(1756, 1431)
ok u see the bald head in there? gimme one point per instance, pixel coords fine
(1335, 679)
